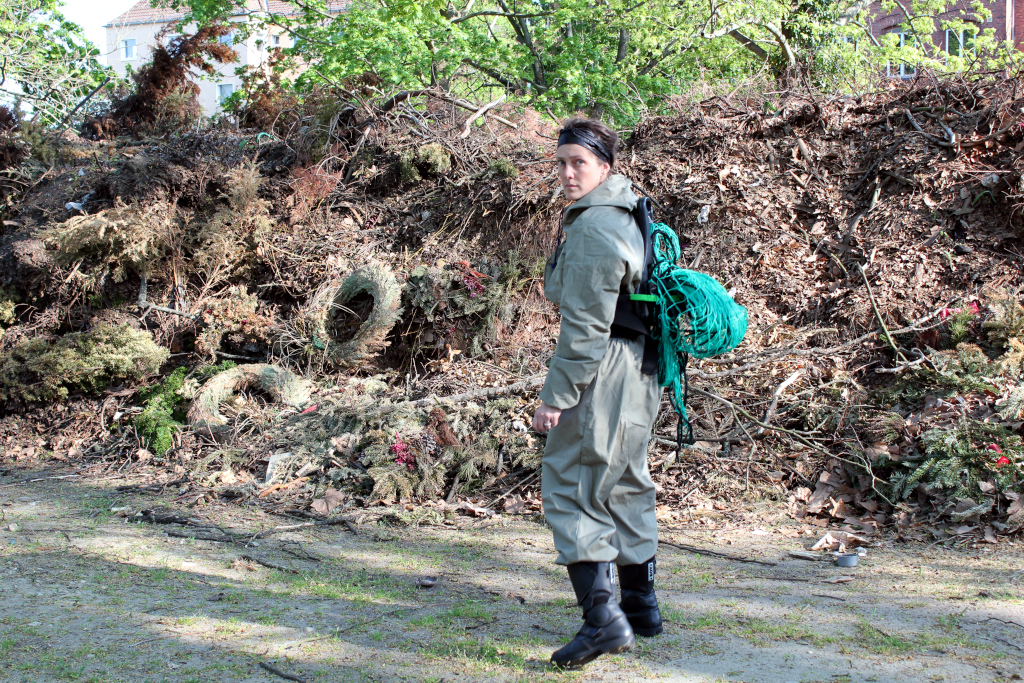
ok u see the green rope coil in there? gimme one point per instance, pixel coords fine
(694, 316)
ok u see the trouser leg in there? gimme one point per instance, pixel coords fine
(632, 502)
(590, 451)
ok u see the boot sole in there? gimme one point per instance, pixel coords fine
(648, 632)
(613, 650)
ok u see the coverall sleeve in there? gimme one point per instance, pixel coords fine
(594, 270)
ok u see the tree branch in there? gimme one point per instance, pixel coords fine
(852, 11)
(506, 81)
(665, 54)
(783, 43)
(728, 29)
(507, 15)
(871, 36)
(746, 42)
(623, 45)
(913, 29)
(477, 114)
(522, 30)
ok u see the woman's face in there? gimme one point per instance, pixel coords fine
(580, 171)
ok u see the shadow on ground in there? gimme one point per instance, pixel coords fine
(88, 595)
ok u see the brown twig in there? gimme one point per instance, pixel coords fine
(477, 114)
(269, 564)
(277, 672)
(728, 556)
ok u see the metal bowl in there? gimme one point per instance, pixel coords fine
(847, 559)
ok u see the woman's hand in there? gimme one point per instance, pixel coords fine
(546, 417)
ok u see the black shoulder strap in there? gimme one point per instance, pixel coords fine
(642, 215)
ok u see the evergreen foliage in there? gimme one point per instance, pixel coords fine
(957, 460)
(460, 451)
(40, 370)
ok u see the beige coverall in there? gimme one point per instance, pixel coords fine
(598, 493)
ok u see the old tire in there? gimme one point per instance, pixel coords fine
(382, 286)
(282, 385)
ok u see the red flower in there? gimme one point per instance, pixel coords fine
(1003, 460)
(403, 453)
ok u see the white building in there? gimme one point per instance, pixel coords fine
(132, 37)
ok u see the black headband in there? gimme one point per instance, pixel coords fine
(585, 138)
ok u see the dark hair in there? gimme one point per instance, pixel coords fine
(607, 139)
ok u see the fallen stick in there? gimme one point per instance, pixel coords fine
(900, 368)
(147, 307)
(29, 481)
(269, 564)
(770, 355)
(878, 315)
(672, 442)
(704, 551)
(67, 118)
(490, 392)
(808, 159)
(477, 114)
(770, 413)
(917, 127)
(474, 107)
(151, 487)
(513, 488)
(277, 672)
(203, 537)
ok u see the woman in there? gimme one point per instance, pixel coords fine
(598, 406)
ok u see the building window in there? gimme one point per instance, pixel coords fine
(275, 41)
(128, 49)
(228, 38)
(224, 91)
(904, 70)
(959, 43)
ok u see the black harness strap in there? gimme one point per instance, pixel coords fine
(633, 319)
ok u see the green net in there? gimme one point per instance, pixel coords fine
(694, 316)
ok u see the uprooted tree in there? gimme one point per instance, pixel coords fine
(165, 89)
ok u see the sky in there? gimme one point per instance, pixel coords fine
(91, 15)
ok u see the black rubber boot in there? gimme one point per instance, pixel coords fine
(605, 628)
(638, 600)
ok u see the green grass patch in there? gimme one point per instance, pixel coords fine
(880, 642)
(360, 587)
(484, 651)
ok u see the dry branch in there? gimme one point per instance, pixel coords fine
(705, 551)
(277, 672)
(529, 384)
(477, 114)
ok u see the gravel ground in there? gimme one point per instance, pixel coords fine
(87, 593)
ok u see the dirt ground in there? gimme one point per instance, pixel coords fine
(89, 593)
